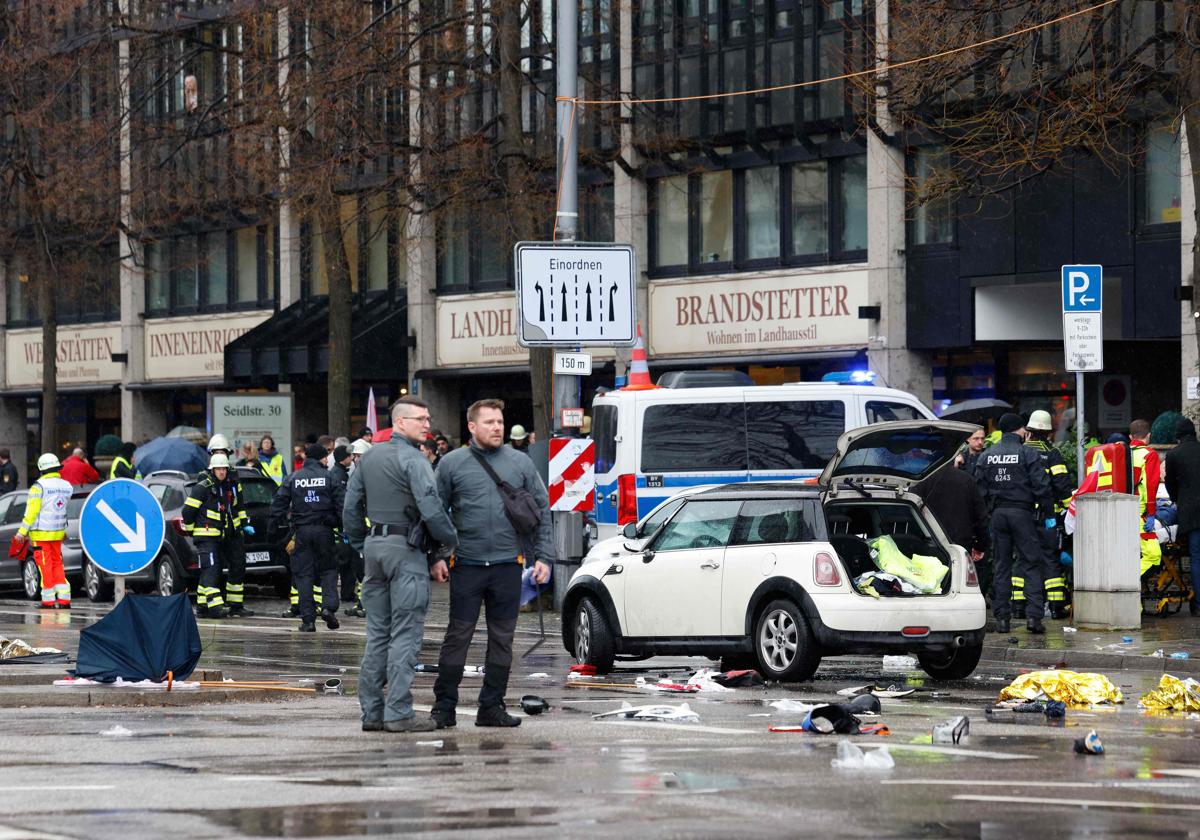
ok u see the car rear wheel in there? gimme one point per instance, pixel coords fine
(97, 588)
(957, 664)
(31, 580)
(783, 644)
(166, 582)
(594, 642)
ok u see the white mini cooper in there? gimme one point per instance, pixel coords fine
(765, 573)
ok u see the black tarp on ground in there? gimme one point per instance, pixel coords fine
(142, 638)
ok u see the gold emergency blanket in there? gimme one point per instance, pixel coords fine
(1173, 695)
(17, 648)
(1068, 687)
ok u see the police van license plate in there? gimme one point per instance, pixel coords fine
(258, 557)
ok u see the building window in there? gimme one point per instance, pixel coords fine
(246, 246)
(219, 270)
(810, 208)
(671, 221)
(933, 219)
(762, 213)
(184, 287)
(454, 263)
(378, 236)
(1161, 175)
(716, 217)
(854, 204)
(158, 279)
(21, 293)
(216, 269)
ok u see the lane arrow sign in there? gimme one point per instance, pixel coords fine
(135, 540)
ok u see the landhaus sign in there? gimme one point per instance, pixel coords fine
(758, 314)
(478, 330)
(187, 348)
(84, 355)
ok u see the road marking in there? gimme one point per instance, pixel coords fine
(23, 788)
(1075, 803)
(1189, 773)
(1038, 783)
(689, 727)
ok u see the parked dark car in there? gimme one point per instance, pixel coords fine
(176, 569)
(23, 572)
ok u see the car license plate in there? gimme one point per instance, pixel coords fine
(258, 557)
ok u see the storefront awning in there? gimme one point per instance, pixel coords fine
(771, 359)
(293, 344)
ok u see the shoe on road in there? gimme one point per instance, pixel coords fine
(240, 612)
(444, 720)
(331, 620)
(290, 614)
(412, 724)
(308, 627)
(496, 716)
(1035, 626)
(1003, 625)
(372, 726)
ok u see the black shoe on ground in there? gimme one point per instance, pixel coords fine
(215, 612)
(290, 614)
(495, 716)
(444, 720)
(1003, 625)
(308, 627)
(1034, 625)
(412, 724)
(240, 612)
(331, 620)
(372, 726)
(1194, 606)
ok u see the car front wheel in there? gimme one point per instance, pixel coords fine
(166, 582)
(957, 664)
(97, 588)
(594, 642)
(31, 580)
(783, 644)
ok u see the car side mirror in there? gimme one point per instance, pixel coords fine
(630, 531)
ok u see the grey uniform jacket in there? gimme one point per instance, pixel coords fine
(391, 478)
(485, 536)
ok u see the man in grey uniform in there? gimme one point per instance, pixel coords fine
(394, 489)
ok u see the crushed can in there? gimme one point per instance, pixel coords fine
(953, 731)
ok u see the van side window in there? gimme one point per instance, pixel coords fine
(694, 437)
(882, 412)
(699, 525)
(604, 432)
(771, 521)
(793, 435)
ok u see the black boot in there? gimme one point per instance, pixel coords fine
(1035, 626)
(1003, 625)
(495, 716)
(445, 719)
(308, 627)
(445, 690)
(240, 612)
(331, 620)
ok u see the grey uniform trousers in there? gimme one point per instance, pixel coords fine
(395, 596)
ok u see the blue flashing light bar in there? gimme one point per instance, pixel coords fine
(850, 377)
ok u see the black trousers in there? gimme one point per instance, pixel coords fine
(1014, 528)
(497, 589)
(313, 560)
(350, 571)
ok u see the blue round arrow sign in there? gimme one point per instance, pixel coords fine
(121, 527)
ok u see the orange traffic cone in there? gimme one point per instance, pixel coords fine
(639, 372)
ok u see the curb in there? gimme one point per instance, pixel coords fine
(1078, 660)
(64, 697)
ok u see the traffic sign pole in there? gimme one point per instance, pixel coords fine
(1083, 335)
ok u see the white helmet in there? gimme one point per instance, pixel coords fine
(48, 461)
(359, 447)
(1040, 421)
(219, 459)
(219, 442)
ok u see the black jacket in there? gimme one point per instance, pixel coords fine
(1011, 474)
(1061, 481)
(9, 479)
(956, 502)
(1183, 482)
(312, 495)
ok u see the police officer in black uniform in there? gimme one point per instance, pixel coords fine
(314, 498)
(1013, 478)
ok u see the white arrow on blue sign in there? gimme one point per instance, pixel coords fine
(1083, 288)
(121, 527)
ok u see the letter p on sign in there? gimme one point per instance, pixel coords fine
(1082, 288)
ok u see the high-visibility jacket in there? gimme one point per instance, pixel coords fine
(46, 511)
(1056, 471)
(273, 467)
(1147, 472)
(213, 509)
(122, 469)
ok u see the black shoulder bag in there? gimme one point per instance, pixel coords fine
(519, 505)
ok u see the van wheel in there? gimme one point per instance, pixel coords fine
(958, 664)
(783, 644)
(594, 642)
(97, 588)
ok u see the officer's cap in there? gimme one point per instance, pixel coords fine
(1010, 423)
(315, 451)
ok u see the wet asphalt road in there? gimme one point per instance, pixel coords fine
(304, 769)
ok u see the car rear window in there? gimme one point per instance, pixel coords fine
(767, 521)
(798, 434)
(604, 432)
(882, 412)
(694, 437)
(255, 492)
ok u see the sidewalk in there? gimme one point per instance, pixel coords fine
(1092, 650)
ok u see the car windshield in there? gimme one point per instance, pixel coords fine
(258, 492)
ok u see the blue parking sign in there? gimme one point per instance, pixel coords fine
(121, 527)
(1083, 288)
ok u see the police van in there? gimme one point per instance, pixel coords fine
(651, 444)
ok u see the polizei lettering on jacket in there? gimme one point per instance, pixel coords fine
(1003, 459)
(310, 482)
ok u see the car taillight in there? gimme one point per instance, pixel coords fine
(177, 526)
(972, 575)
(627, 499)
(825, 570)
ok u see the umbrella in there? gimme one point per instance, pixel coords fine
(170, 453)
(976, 411)
(189, 433)
(142, 638)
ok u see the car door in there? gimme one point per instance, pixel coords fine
(673, 586)
(770, 535)
(9, 569)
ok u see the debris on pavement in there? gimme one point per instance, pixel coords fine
(851, 757)
(865, 704)
(666, 686)
(117, 731)
(673, 714)
(796, 706)
(1052, 709)
(830, 718)
(1179, 654)
(21, 649)
(1070, 629)
(888, 692)
(1158, 654)
(705, 680)
(438, 744)
(740, 679)
(899, 663)
(123, 683)
(1070, 687)
(874, 729)
(953, 731)
(1172, 695)
(1089, 744)
(531, 704)
(540, 675)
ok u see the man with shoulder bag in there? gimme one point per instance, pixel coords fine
(501, 511)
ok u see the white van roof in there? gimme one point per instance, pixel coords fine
(726, 392)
